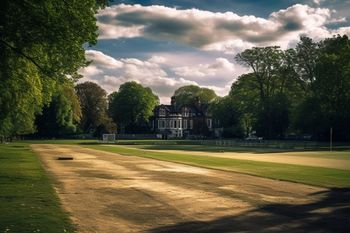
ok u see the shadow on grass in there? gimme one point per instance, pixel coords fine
(330, 214)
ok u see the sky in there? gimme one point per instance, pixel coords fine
(168, 44)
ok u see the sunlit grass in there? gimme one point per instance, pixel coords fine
(319, 176)
(28, 202)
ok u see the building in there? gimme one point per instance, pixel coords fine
(172, 121)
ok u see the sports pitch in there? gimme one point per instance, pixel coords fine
(168, 188)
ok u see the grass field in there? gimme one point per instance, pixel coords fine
(319, 176)
(205, 148)
(28, 202)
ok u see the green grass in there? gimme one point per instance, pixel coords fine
(209, 148)
(343, 155)
(318, 176)
(28, 202)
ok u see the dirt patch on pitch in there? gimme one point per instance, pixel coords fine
(106, 192)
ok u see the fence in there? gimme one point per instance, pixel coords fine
(276, 144)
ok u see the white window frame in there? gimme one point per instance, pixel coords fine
(209, 123)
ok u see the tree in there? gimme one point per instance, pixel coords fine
(189, 95)
(265, 63)
(306, 55)
(61, 116)
(93, 102)
(274, 83)
(225, 111)
(132, 106)
(41, 45)
(245, 97)
(328, 103)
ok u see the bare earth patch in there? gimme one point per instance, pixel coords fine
(106, 192)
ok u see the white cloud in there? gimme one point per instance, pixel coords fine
(155, 73)
(221, 69)
(215, 31)
(110, 73)
(157, 59)
(102, 60)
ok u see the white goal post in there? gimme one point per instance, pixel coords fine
(108, 138)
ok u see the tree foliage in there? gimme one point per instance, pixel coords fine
(61, 116)
(93, 102)
(273, 83)
(41, 46)
(191, 94)
(328, 102)
(224, 110)
(132, 106)
(302, 90)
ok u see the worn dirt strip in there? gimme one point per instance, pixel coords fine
(106, 192)
(343, 164)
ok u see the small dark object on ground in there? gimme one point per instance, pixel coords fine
(65, 158)
(221, 151)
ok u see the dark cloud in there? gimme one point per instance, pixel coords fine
(293, 26)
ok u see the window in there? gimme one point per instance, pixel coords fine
(209, 123)
(161, 124)
(185, 124)
(162, 112)
(191, 124)
(186, 112)
(175, 124)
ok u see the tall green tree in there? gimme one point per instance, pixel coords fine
(41, 44)
(93, 102)
(132, 106)
(226, 113)
(306, 55)
(61, 116)
(272, 83)
(191, 94)
(328, 103)
(245, 99)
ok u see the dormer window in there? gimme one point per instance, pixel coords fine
(162, 112)
(186, 112)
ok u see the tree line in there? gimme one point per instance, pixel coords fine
(299, 91)
(293, 92)
(87, 109)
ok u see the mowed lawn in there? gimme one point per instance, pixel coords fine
(340, 154)
(318, 176)
(28, 202)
